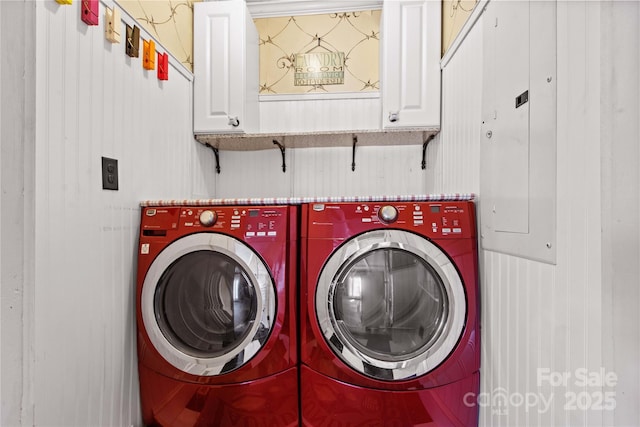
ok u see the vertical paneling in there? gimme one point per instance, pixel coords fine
(320, 115)
(518, 318)
(453, 157)
(16, 209)
(620, 194)
(578, 269)
(95, 101)
(378, 171)
(388, 170)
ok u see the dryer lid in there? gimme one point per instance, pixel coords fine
(208, 304)
(390, 304)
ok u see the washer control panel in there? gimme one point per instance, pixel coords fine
(267, 222)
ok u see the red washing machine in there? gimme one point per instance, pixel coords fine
(216, 316)
(390, 314)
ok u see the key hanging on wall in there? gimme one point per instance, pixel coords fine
(163, 66)
(112, 24)
(132, 45)
(89, 11)
(149, 54)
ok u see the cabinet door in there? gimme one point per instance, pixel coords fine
(410, 63)
(223, 40)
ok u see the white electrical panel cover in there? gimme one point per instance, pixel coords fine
(518, 151)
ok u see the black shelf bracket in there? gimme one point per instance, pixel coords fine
(353, 153)
(282, 151)
(216, 153)
(424, 151)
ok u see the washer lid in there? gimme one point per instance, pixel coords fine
(208, 304)
(390, 304)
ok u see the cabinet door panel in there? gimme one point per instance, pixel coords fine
(220, 67)
(411, 64)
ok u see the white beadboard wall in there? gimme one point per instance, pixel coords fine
(318, 113)
(79, 367)
(620, 194)
(322, 172)
(579, 313)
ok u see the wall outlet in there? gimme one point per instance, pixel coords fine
(109, 174)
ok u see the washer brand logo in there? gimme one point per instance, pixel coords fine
(318, 207)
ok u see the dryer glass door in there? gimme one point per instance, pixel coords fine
(390, 304)
(208, 304)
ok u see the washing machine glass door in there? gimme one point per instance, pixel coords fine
(208, 303)
(390, 304)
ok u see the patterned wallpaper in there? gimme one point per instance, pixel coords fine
(356, 34)
(454, 15)
(169, 21)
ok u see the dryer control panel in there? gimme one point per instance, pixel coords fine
(446, 219)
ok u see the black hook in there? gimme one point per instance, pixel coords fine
(215, 152)
(353, 153)
(424, 150)
(282, 150)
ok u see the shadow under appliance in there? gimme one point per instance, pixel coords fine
(216, 315)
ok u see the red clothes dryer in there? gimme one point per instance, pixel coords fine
(390, 316)
(216, 315)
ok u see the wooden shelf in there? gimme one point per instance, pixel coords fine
(253, 142)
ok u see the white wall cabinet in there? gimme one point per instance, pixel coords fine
(225, 66)
(226, 61)
(410, 64)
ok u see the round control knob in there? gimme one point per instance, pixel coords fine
(208, 218)
(388, 214)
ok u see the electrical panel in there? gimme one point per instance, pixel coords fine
(518, 142)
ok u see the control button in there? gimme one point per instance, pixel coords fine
(250, 233)
(388, 214)
(418, 222)
(271, 233)
(207, 218)
(457, 230)
(446, 230)
(261, 233)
